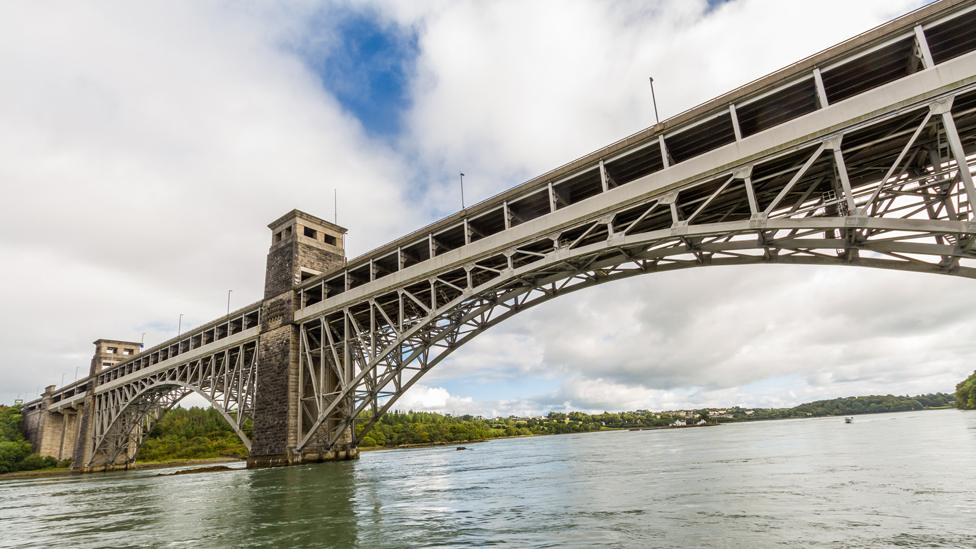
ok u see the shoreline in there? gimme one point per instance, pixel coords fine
(137, 466)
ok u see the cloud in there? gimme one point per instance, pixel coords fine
(438, 399)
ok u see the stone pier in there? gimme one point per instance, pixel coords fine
(302, 247)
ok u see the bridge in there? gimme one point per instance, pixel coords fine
(860, 155)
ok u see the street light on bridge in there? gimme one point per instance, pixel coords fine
(462, 189)
(654, 100)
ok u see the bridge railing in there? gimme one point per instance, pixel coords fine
(216, 330)
(883, 55)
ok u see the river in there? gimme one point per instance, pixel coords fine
(902, 480)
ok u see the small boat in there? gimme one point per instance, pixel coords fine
(848, 420)
(460, 448)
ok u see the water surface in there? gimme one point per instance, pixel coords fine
(887, 480)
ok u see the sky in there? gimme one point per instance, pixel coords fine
(145, 147)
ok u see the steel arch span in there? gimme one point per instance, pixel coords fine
(883, 192)
(125, 413)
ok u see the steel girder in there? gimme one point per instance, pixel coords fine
(125, 413)
(884, 193)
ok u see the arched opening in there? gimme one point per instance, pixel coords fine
(126, 430)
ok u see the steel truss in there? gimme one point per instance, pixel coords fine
(125, 412)
(884, 193)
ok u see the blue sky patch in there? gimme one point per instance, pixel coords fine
(367, 69)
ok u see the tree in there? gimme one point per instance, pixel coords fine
(966, 393)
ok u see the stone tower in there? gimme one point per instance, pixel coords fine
(302, 246)
(109, 352)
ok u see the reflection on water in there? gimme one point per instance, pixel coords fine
(885, 480)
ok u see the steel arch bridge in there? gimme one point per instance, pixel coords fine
(861, 155)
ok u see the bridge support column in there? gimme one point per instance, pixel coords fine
(276, 401)
(85, 443)
(303, 246)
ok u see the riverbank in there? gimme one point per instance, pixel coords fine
(138, 466)
(533, 435)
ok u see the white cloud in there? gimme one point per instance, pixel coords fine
(438, 399)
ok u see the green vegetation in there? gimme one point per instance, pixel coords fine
(873, 404)
(966, 393)
(191, 433)
(15, 450)
(405, 428)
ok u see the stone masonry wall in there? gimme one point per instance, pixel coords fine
(32, 425)
(318, 259)
(51, 435)
(279, 277)
(277, 394)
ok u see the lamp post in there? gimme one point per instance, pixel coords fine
(462, 189)
(654, 100)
